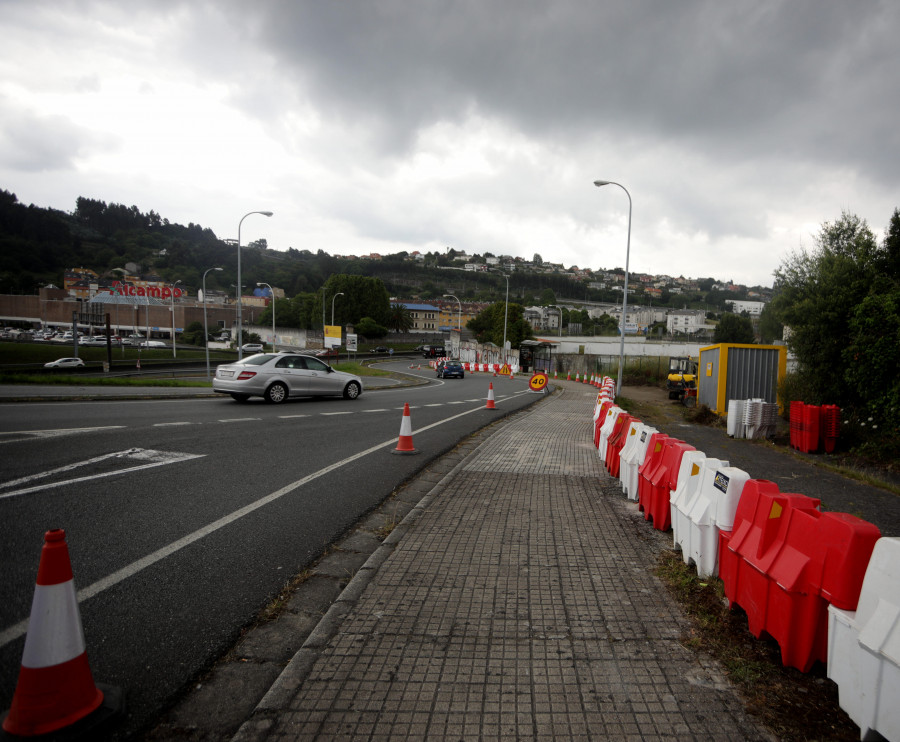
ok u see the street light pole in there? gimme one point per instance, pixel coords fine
(339, 293)
(459, 316)
(505, 318)
(205, 327)
(239, 320)
(600, 184)
(173, 317)
(272, 294)
(458, 323)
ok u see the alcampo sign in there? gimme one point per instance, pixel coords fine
(126, 289)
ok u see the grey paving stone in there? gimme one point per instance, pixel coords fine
(519, 604)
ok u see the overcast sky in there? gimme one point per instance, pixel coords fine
(738, 127)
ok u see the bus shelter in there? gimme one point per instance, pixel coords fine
(536, 355)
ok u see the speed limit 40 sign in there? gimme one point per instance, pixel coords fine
(538, 382)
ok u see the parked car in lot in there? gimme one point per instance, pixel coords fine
(64, 363)
(278, 376)
(450, 370)
(252, 348)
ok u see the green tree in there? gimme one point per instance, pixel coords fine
(734, 328)
(399, 318)
(488, 325)
(363, 296)
(841, 302)
(369, 328)
(193, 334)
(770, 329)
(548, 297)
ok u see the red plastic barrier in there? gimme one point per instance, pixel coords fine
(796, 423)
(616, 441)
(652, 460)
(601, 419)
(830, 426)
(810, 435)
(785, 561)
(662, 481)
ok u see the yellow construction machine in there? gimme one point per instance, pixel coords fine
(682, 380)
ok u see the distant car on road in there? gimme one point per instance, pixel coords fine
(379, 349)
(277, 376)
(433, 351)
(252, 348)
(450, 369)
(154, 344)
(64, 363)
(326, 353)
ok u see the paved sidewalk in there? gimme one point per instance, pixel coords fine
(517, 601)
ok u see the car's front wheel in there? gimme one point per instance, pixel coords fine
(352, 390)
(277, 393)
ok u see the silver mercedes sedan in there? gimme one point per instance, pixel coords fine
(278, 376)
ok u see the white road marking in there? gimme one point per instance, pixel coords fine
(441, 404)
(328, 414)
(170, 425)
(289, 417)
(27, 434)
(383, 409)
(14, 632)
(239, 419)
(154, 459)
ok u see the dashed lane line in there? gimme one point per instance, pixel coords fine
(15, 631)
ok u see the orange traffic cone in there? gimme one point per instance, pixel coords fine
(569, 376)
(554, 374)
(490, 400)
(577, 377)
(405, 442)
(55, 687)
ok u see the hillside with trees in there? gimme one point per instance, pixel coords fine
(38, 244)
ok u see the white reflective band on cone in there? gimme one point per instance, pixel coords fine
(54, 629)
(405, 426)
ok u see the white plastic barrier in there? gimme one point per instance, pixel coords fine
(634, 461)
(734, 425)
(612, 414)
(864, 647)
(690, 475)
(712, 511)
(632, 439)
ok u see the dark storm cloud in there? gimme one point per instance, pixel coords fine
(804, 80)
(35, 143)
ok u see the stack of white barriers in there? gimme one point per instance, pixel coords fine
(863, 645)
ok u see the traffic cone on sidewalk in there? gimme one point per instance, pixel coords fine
(490, 400)
(569, 376)
(405, 442)
(55, 687)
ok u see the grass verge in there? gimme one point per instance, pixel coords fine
(792, 704)
(53, 379)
